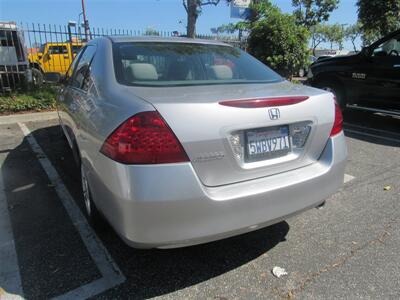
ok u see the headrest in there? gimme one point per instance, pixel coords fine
(221, 72)
(142, 71)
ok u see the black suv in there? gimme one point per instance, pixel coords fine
(370, 78)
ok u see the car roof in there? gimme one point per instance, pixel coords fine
(124, 39)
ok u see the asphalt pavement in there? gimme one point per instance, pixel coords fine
(346, 250)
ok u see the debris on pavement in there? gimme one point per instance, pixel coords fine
(279, 272)
(321, 206)
(387, 188)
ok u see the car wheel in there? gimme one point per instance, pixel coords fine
(37, 77)
(93, 215)
(335, 89)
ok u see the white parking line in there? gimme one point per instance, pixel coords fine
(10, 278)
(348, 178)
(373, 135)
(111, 274)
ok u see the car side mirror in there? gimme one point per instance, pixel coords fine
(366, 51)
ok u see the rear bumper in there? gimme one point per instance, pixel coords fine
(167, 205)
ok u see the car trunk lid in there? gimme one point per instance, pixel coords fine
(226, 144)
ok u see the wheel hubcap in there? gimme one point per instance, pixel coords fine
(86, 194)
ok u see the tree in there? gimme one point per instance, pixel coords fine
(312, 12)
(352, 32)
(335, 35)
(151, 31)
(378, 18)
(277, 40)
(225, 28)
(327, 33)
(193, 9)
(318, 36)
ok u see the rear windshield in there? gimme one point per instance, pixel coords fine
(170, 64)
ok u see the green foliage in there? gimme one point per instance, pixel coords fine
(318, 35)
(327, 33)
(277, 40)
(352, 32)
(258, 9)
(312, 12)
(370, 36)
(226, 28)
(335, 34)
(36, 100)
(151, 32)
(378, 18)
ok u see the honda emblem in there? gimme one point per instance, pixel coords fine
(274, 113)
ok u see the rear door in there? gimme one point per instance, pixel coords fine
(73, 101)
(381, 74)
(58, 58)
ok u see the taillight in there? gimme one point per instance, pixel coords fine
(338, 123)
(144, 138)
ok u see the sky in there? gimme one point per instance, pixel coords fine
(168, 15)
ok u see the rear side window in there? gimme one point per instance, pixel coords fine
(75, 49)
(81, 74)
(73, 65)
(58, 50)
(167, 64)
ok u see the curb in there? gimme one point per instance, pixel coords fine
(29, 117)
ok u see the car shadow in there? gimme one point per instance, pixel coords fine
(155, 272)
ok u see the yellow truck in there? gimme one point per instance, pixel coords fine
(52, 58)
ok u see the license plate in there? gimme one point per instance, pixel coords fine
(266, 143)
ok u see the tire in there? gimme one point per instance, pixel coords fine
(76, 154)
(335, 89)
(62, 135)
(92, 213)
(37, 77)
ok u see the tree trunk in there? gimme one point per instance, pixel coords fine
(191, 18)
(354, 45)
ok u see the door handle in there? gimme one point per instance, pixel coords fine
(396, 66)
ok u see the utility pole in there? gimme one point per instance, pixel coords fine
(85, 22)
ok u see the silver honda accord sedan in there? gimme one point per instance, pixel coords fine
(185, 141)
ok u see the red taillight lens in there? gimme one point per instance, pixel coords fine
(264, 102)
(144, 138)
(338, 123)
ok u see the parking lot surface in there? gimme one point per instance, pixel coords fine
(348, 249)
